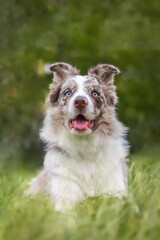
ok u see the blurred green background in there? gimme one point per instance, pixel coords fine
(84, 33)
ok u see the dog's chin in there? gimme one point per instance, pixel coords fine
(80, 133)
(81, 125)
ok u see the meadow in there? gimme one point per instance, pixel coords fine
(83, 33)
(33, 218)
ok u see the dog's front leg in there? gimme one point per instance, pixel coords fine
(115, 186)
(65, 192)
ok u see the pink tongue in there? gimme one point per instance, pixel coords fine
(80, 124)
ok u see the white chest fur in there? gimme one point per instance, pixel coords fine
(88, 168)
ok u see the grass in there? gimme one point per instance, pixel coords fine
(135, 217)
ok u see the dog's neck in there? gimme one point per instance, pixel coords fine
(79, 146)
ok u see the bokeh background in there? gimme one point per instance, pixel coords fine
(84, 33)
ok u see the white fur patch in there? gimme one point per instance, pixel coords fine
(80, 82)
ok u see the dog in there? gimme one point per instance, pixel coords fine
(86, 149)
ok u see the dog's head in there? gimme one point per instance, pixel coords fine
(82, 102)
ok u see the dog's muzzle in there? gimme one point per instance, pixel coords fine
(80, 102)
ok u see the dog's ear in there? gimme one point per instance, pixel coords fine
(105, 75)
(104, 72)
(62, 70)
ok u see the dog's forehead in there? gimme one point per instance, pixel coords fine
(81, 81)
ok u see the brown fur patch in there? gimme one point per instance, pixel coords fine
(105, 75)
(104, 72)
(71, 85)
(107, 123)
(62, 71)
(109, 91)
(92, 85)
(54, 93)
(57, 118)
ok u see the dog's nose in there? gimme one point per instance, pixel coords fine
(80, 102)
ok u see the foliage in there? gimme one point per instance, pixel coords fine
(83, 33)
(134, 217)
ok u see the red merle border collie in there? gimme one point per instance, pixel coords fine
(86, 146)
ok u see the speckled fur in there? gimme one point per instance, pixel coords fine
(79, 165)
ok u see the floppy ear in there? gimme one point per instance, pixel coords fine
(104, 72)
(105, 75)
(62, 70)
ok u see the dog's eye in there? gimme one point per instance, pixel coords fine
(95, 94)
(68, 93)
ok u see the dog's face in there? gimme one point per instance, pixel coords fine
(82, 100)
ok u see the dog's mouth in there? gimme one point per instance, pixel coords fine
(80, 123)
